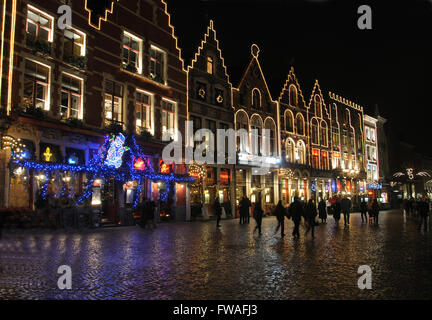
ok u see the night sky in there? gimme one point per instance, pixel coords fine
(389, 65)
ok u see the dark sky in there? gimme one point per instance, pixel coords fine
(389, 65)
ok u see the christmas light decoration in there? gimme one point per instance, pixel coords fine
(99, 168)
(48, 155)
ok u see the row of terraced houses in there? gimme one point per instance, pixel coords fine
(121, 70)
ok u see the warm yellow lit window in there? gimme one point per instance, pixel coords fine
(210, 65)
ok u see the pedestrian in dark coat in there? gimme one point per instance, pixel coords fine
(337, 211)
(423, 209)
(310, 215)
(322, 208)
(218, 211)
(363, 211)
(296, 212)
(247, 211)
(280, 215)
(258, 215)
(346, 209)
(143, 217)
(375, 210)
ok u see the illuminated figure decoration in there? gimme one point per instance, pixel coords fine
(73, 159)
(48, 155)
(202, 93)
(164, 168)
(410, 174)
(219, 99)
(139, 164)
(116, 151)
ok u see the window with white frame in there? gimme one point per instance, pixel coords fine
(39, 25)
(36, 85)
(367, 133)
(71, 97)
(157, 64)
(372, 133)
(168, 116)
(113, 102)
(74, 43)
(131, 52)
(143, 110)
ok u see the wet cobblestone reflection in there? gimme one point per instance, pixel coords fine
(196, 261)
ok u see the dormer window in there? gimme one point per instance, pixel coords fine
(210, 67)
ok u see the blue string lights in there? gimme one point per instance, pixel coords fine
(111, 162)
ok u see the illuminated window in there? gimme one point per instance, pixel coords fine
(241, 123)
(292, 96)
(168, 114)
(256, 135)
(300, 124)
(300, 153)
(157, 64)
(143, 109)
(113, 103)
(210, 65)
(372, 133)
(289, 151)
(315, 158)
(71, 97)
(131, 53)
(39, 25)
(74, 43)
(269, 125)
(256, 98)
(324, 160)
(289, 121)
(336, 160)
(36, 83)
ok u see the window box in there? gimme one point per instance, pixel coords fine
(38, 46)
(74, 123)
(79, 62)
(113, 126)
(145, 135)
(131, 67)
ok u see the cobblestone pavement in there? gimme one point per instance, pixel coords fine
(196, 261)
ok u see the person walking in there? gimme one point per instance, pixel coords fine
(280, 215)
(346, 208)
(296, 212)
(310, 215)
(337, 211)
(363, 210)
(322, 208)
(423, 209)
(258, 215)
(247, 212)
(218, 211)
(375, 210)
(143, 217)
(150, 214)
(241, 209)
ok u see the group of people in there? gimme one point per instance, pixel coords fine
(419, 208)
(309, 211)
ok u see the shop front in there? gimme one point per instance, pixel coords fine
(113, 182)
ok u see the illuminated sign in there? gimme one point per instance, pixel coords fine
(375, 186)
(164, 168)
(48, 155)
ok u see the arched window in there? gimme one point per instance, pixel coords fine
(241, 123)
(289, 121)
(299, 124)
(271, 126)
(256, 98)
(323, 133)
(256, 136)
(300, 156)
(292, 96)
(346, 117)
(314, 131)
(289, 151)
(317, 101)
